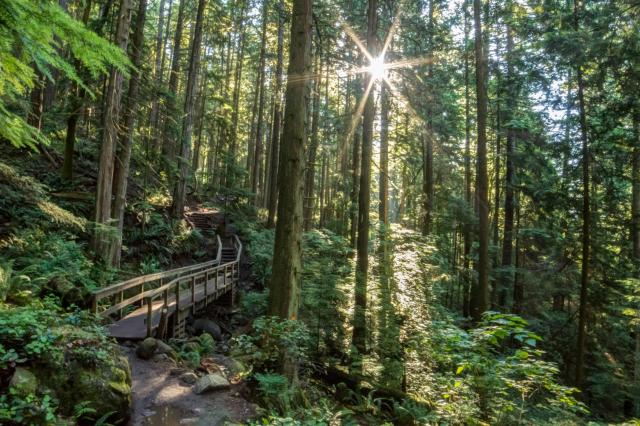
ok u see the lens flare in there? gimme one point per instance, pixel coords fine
(377, 68)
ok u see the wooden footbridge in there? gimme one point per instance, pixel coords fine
(158, 304)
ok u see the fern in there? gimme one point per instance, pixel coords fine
(33, 32)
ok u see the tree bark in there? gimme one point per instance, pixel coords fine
(78, 94)
(428, 136)
(359, 338)
(383, 208)
(123, 156)
(310, 173)
(257, 157)
(284, 295)
(466, 312)
(237, 78)
(180, 189)
(170, 134)
(635, 182)
(275, 131)
(103, 235)
(509, 205)
(586, 221)
(480, 290)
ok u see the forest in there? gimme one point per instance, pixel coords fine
(319, 212)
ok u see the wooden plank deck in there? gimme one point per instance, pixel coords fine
(133, 326)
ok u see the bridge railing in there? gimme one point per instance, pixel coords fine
(115, 298)
(223, 276)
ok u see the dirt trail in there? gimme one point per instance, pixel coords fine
(161, 399)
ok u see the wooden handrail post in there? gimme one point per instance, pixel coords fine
(120, 299)
(206, 287)
(149, 317)
(178, 297)
(94, 304)
(193, 295)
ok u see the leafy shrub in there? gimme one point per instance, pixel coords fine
(52, 263)
(274, 339)
(254, 303)
(499, 363)
(31, 409)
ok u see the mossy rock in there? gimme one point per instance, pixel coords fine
(147, 348)
(23, 382)
(108, 390)
(90, 371)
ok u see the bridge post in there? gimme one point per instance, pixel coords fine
(206, 288)
(149, 319)
(193, 295)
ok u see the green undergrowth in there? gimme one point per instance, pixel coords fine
(58, 366)
(494, 373)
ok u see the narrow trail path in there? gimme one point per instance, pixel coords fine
(161, 398)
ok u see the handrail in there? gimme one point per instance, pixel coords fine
(120, 287)
(238, 247)
(227, 274)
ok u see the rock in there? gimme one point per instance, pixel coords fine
(161, 358)
(188, 378)
(108, 388)
(23, 382)
(210, 382)
(208, 326)
(178, 371)
(164, 348)
(191, 347)
(147, 348)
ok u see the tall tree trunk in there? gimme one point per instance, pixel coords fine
(180, 190)
(359, 338)
(154, 115)
(586, 220)
(103, 236)
(123, 156)
(171, 126)
(275, 131)
(466, 312)
(284, 294)
(355, 165)
(635, 182)
(237, 79)
(428, 136)
(78, 94)
(480, 290)
(310, 173)
(507, 239)
(383, 209)
(257, 158)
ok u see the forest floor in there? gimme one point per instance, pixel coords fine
(160, 398)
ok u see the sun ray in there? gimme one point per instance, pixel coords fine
(351, 33)
(360, 109)
(392, 31)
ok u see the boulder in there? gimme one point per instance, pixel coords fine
(147, 348)
(191, 347)
(188, 378)
(108, 389)
(206, 325)
(178, 371)
(23, 382)
(163, 348)
(211, 382)
(161, 358)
